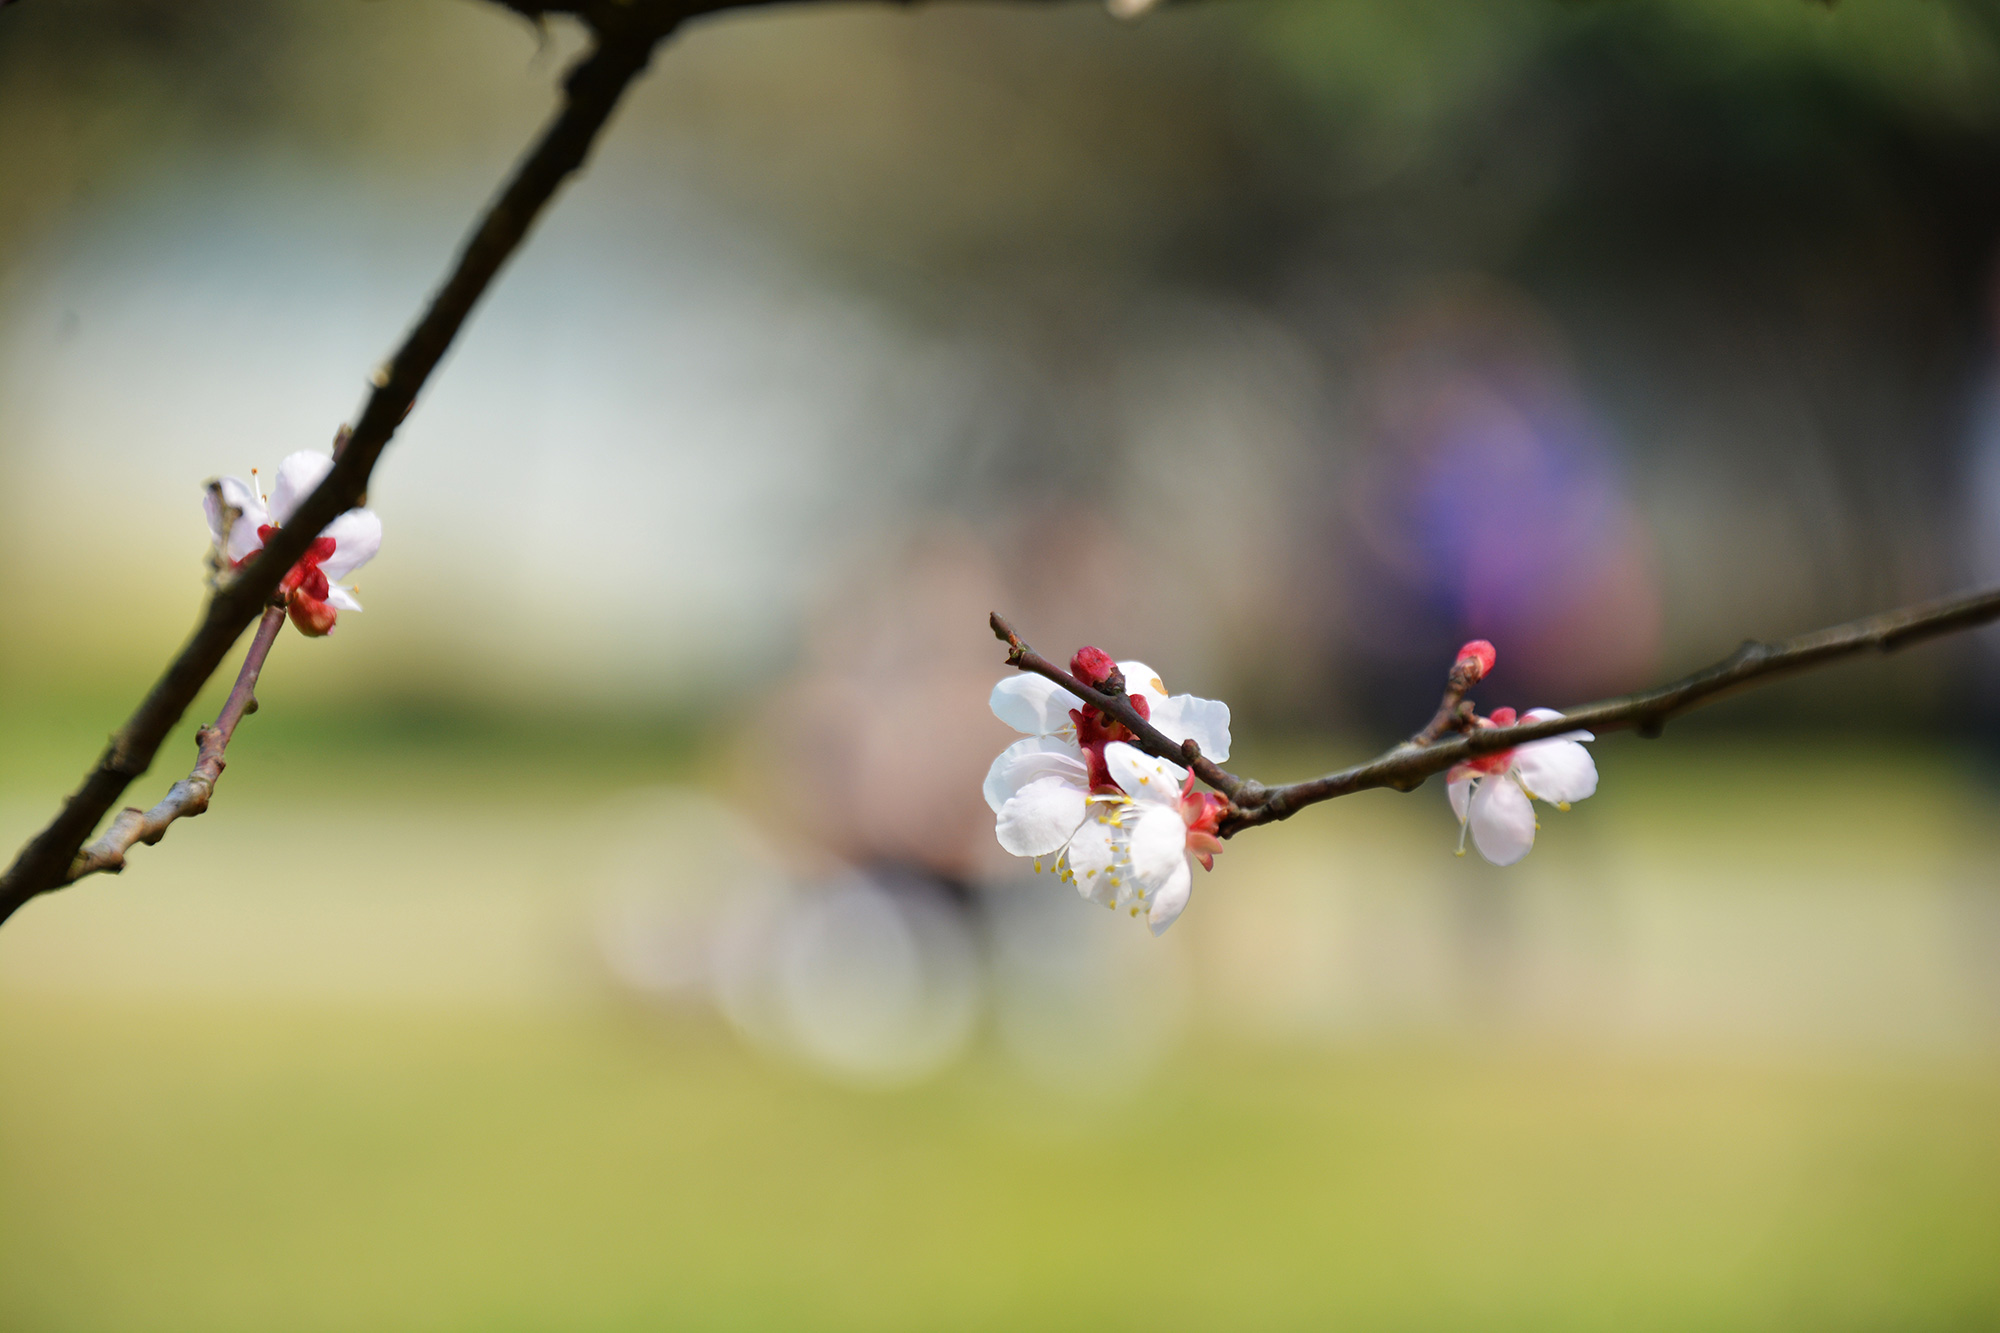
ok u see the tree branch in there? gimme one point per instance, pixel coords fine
(188, 797)
(1406, 766)
(626, 39)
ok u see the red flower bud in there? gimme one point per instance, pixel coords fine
(1092, 666)
(1475, 659)
(312, 616)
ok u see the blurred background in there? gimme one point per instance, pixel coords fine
(600, 932)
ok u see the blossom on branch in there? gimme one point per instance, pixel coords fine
(1494, 795)
(241, 521)
(1054, 793)
(1162, 825)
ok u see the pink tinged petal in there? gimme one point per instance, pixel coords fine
(1503, 821)
(341, 599)
(357, 536)
(1171, 899)
(1025, 761)
(1191, 717)
(1550, 714)
(1459, 790)
(1034, 704)
(1556, 771)
(298, 476)
(1092, 854)
(1145, 779)
(1041, 817)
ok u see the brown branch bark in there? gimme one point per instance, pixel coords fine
(1406, 766)
(626, 38)
(188, 797)
(627, 32)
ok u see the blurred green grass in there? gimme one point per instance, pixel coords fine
(224, 1106)
(187, 1167)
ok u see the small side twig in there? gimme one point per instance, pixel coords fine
(592, 89)
(190, 796)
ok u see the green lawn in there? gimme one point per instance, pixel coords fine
(336, 1056)
(190, 1167)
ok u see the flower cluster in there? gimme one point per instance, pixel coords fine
(1114, 821)
(241, 521)
(1494, 795)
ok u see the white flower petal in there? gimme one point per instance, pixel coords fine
(340, 599)
(237, 494)
(1459, 793)
(1034, 704)
(357, 536)
(1503, 821)
(1191, 717)
(1091, 855)
(1556, 771)
(1547, 714)
(1142, 680)
(1025, 761)
(1145, 779)
(1156, 845)
(298, 475)
(1171, 898)
(1041, 817)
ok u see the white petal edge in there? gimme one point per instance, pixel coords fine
(1171, 899)
(1092, 854)
(1145, 779)
(357, 536)
(250, 515)
(1548, 715)
(1556, 771)
(1033, 704)
(298, 476)
(1142, 680)
(1191, 717)
(1027, 760)
(1459, 793)
(1157, 848)
(340, 599)
(1503, 821)
(1041, 817)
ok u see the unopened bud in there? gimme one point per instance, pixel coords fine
(1092, 666)
(1475, 660)
(311, 616)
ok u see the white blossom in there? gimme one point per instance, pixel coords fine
(1494, 796)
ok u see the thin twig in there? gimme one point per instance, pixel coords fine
(625, 45)
(1405, 767)
(188, 797)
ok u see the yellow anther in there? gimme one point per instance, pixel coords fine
(1562, 805)
(1158, 684)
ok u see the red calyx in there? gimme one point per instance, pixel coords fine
(1202, 812)
(1094, 731)
(1489, 764)
(304, 588)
